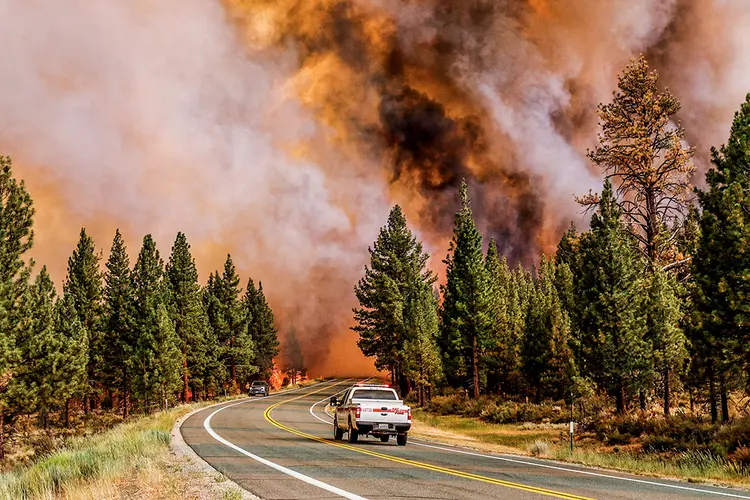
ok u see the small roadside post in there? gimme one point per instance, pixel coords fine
(571, 423)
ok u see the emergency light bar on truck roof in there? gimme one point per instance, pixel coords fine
(362, 384)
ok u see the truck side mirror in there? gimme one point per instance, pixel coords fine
(334, 401)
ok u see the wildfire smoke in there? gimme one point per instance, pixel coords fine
(282, 130)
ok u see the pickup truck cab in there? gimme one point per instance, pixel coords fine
(370, 409)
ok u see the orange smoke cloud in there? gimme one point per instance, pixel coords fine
(281, 131)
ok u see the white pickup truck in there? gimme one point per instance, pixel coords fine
(370, 409)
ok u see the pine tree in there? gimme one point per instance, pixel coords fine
(642, 149)
(32, 387)
(548, 362)
(421, 356)
(149, 294)
(261, 328)
(663, 315)
(294, 361)
(69, 374)
(501, 357)
(227, 318)
(613, 351)
(168, 366)
(16, 238)
(466, 301)
(397, 268)
(186, 309)
(119, 322)
(84, 285)
(722, 262)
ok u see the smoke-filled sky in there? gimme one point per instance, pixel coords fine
(282, 131)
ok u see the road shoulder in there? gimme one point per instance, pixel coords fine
(192, 465)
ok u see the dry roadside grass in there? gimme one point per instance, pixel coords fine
(131, 460)
(473, 433)
(161, 478)
(529, 439)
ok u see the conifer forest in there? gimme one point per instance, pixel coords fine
(645, 311)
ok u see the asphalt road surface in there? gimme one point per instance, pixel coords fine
(281, 447)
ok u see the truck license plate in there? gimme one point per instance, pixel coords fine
(382, 426)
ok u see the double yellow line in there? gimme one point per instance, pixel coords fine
(413, 463)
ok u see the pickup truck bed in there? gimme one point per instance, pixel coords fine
(371, 410)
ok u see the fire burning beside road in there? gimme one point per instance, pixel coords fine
(283, 130)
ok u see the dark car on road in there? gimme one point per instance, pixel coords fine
(258, 388)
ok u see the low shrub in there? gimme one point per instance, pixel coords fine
(539, 448)
(616, 438)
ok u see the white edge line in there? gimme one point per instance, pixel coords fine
(585, 472)
(524, 462)
(280, 468)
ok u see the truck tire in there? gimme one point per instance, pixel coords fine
(401, 439)
(353, 433)
(338, 432)
(384, 438)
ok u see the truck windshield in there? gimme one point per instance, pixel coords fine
(374, 394)
(258, 383)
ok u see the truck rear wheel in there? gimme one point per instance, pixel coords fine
(384, 438)
(338, 432)
(401, 439)
(353, 434)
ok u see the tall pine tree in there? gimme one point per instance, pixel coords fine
(548, 362)
(466, 308)
(397, 269)
(227, 318)
(16, 238)
(186, 309)
(501, 357)
(613, 349)
(261, 327)
(84, 285)
(422, 363)
(31, 388)
(149, 295)
(68, 374)
(722, 263)
(168, 366)
(119, 323)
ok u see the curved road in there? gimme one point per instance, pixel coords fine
(281, 447)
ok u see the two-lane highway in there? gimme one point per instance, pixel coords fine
(282, 447)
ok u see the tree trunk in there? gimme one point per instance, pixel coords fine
(691, 396)
(403, 384)
(666, 393)
(620, 397)
(475, 365)
(86, 403)
(67, 413)
(642, 400)
(712, 394)
(2, 433)
(43, 415)
(234, 374)
(184, 379)
(652, 227)
(724, 400)
(126, 404)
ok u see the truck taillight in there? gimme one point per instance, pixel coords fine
(358, 412)
(408, 414)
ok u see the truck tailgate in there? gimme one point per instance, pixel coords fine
(390, 412)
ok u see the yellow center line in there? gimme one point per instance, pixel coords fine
(405, 461)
